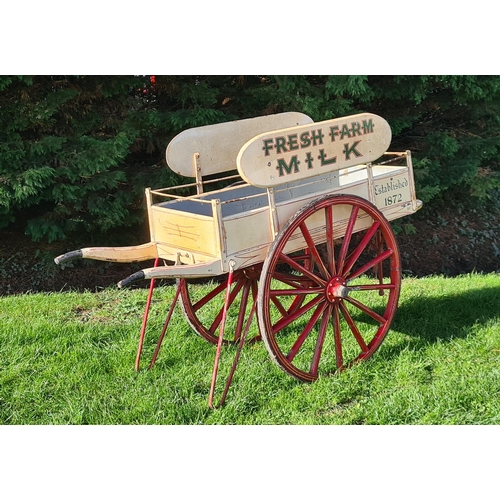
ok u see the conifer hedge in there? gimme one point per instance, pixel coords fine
(76, 152)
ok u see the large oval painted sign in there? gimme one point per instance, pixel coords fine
(295, 153)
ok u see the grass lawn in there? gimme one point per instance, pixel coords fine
(68, 358)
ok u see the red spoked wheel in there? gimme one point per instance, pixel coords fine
(329, 287)
(204, 310)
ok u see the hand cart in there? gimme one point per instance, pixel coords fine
(301, 238)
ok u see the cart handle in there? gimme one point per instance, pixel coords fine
(201, 270)
(75, 254)
(139, 275)
(112, 254)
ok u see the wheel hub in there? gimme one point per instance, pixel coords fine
(336, 289)
(252, 273)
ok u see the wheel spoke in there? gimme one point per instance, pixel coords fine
(302, 269)
(232, 296)
(299, 294)
(204, 315)
(347, 237)
(367, 310)
(336, 335)
(284, 322)
(290, 279)
(305, 282)
(255, 290)
(314, 251)
(214, 293)
(279, 306)
(255, 293)
(354, 328)
(382, 287)
(296, 291)
(329, 240)
(297, 302)
(320, 341)
(380, 270)
(371, 264)
(305, 333)
(359, 249)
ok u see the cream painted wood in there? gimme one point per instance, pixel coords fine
(122, 254)
(201, 270)
(249, 229)
(192, 231)
(184, 230)
(296, 153)
(217, 146)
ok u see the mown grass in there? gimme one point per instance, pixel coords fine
(68, 358)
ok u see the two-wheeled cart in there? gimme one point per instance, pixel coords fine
(301, 238)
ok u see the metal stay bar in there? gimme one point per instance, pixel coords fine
(161, 192)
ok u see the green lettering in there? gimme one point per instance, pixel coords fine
(355, 130)
(367, 126)
(333, 132)
(309, 160)
(317, 136)
(305, 140)
(345, 131)
(351, 150)
(267, 146)
(292, 142)
(282, 166)
(280, 145)
(323, 159)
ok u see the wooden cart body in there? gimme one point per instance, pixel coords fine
(239, 223)
(201, 234)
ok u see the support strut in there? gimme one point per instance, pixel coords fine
(221, 335)
(165, 326)
(145, 320)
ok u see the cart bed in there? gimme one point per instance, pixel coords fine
(240, 222)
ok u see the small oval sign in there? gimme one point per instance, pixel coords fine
(218, 145)
(295, 153)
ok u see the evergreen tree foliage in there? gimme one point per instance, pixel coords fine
(76, 152)
(63, 141)
(451, 124)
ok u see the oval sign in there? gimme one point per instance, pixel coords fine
(218, 145)
(295, 153)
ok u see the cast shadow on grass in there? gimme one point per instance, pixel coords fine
(425, 320)
(447, 317)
